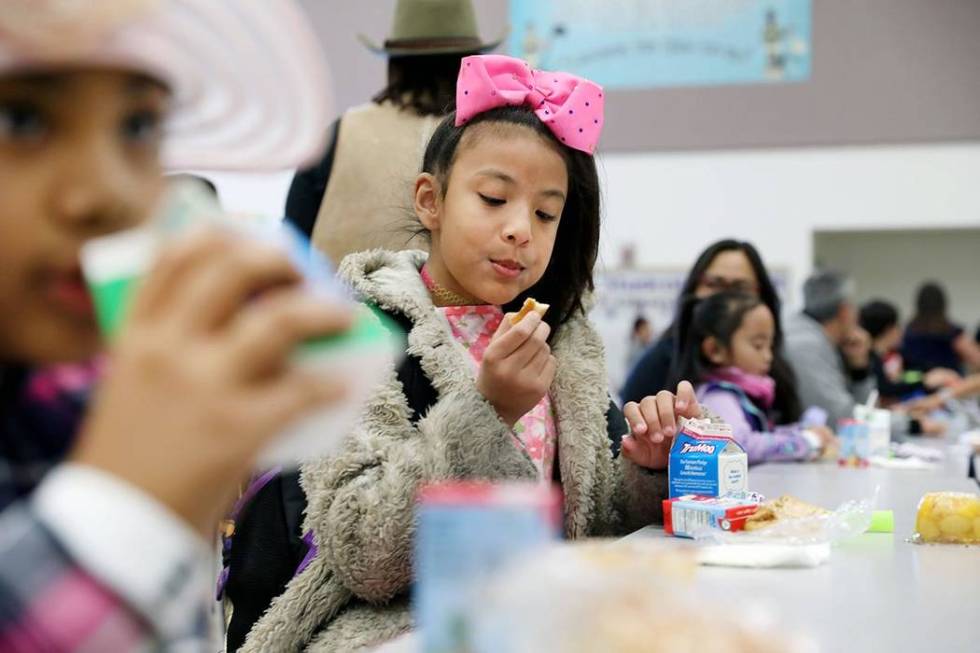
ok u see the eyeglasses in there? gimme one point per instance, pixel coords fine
(721, 284)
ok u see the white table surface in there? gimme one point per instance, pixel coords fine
(877, 592)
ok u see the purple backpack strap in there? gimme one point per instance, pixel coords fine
(311, 552)
(228, 525)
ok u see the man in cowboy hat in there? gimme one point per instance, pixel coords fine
(359, 196)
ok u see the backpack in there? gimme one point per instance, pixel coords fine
(263, 545)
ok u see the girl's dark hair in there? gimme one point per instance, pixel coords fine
(426, 84)
(718, 316)
(930, 310)
(878, 316)
(569, 273)
(786, 406)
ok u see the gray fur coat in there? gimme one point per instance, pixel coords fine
(360, 502)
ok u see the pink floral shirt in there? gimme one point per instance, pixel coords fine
(537, 431)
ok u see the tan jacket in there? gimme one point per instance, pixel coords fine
(370, 197)
(360, 503)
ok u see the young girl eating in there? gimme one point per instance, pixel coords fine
(509, 196)
(104, 541)
(726, 347)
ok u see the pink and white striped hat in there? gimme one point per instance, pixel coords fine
(250, 82)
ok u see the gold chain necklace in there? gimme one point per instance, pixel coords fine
(444, 296)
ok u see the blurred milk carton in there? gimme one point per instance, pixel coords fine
(879, 423)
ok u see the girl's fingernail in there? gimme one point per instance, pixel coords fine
(669, 430)
(681, 404)
(658, 438)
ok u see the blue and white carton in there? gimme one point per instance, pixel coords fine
(467, 532)
(705, 460)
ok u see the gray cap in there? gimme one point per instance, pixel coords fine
(824, 293)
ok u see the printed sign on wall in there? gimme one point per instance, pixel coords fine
(662, 43)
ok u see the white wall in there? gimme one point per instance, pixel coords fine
(670, 205)
(264, 194)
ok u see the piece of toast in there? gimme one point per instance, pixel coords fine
(529, 305)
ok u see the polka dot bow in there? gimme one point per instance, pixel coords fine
(571, 107)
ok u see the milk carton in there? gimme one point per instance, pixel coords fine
(705, 460)
(879, 421)
(114, 266)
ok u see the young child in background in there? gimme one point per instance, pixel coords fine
(510, 198)
(726, 347)
(880, 319)
(104, 541)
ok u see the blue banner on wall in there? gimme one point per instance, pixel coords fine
(658, 43)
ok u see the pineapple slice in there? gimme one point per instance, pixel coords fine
(951, 517)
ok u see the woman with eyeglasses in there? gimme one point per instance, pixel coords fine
(727, 265)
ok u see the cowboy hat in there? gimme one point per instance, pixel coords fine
(249, 81)
(428, 27)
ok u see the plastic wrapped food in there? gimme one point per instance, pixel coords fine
(785, 532)
(616, 597)
(788, 520)
(948, 517)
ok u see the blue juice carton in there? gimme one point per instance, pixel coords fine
(467, 531)
(706, 461)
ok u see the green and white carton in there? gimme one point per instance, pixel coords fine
(114, 265)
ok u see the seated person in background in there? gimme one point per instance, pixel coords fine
(827, 349)
(724, 265)
(727, 350)
(880, 319)
(932, 340)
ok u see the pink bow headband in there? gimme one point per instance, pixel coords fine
(571, 107)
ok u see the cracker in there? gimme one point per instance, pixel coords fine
(530, 304)
(785, 507)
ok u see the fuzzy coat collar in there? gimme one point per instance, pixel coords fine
(580, 391)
